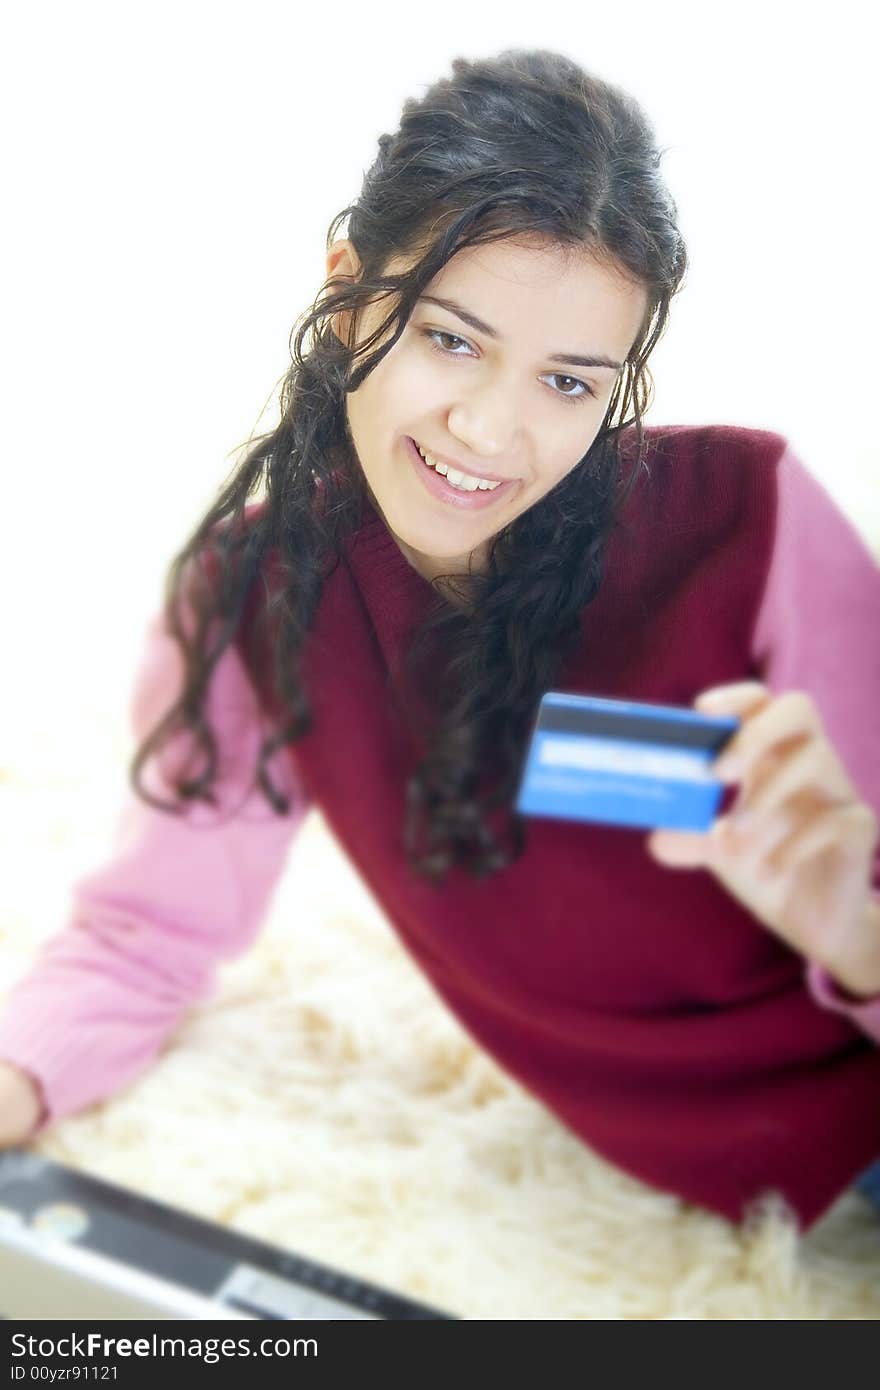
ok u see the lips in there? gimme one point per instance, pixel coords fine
(442, 491)
(459, 468)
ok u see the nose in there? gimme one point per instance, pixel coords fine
(487, 423)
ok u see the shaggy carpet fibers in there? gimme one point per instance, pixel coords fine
(324, 1099)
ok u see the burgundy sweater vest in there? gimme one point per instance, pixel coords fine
(649, 1011)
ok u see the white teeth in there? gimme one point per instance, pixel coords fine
(463, 481)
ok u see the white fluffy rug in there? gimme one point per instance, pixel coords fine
(324, 1099)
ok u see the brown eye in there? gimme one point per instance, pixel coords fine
(432, 334)
(587, 391)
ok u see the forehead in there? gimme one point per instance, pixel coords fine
(547, 289)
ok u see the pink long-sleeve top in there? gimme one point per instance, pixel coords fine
(179, 895)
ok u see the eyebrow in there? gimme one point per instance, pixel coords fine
(570, 359)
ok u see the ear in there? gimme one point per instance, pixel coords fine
(342, 261)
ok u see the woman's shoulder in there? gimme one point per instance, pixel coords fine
(719, 448)
(704, 476)
(703, 508)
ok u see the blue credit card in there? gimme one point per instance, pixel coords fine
(618, 762)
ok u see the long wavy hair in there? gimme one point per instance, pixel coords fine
(523, 143)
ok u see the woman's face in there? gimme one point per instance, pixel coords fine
(493, 398)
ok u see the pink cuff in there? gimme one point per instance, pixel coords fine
(829, 994)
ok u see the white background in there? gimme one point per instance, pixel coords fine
(170, 173)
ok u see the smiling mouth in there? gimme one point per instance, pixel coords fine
(464, 497)
(459, 479)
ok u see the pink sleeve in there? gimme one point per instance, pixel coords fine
(827, 992)
(177, 895)
(818, 630)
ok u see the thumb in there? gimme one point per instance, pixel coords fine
(679, 849)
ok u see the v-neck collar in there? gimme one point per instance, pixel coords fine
(397, 596)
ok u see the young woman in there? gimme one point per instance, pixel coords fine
(454, 515)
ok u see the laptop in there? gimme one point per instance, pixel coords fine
(74, 1246)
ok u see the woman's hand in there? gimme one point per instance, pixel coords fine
(797, 846)
(21, 1104)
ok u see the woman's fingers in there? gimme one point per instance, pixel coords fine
(765, 724)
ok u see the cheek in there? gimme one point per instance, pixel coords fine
(578, 446)
(374, 408)
(395, 400)
(553, 473)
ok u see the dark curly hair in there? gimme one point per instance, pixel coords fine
(524, 143)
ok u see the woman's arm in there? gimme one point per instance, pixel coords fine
(800, 847)
(178, 895)
(818, 629)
